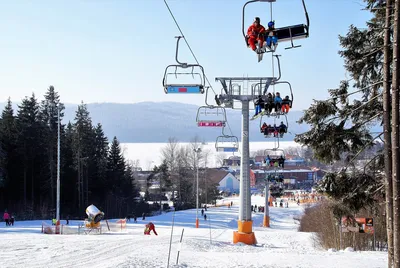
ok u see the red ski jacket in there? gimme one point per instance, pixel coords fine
(255, 31)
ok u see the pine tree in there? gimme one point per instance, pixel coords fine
(49, 114)
(115, 165)
(116, 182)
(28, 149)
(9, 155)
(99, 164)
(340, 128)
(130, 179)
(213, 193)
(83, 152)
(69, 204)
(395, 135)
(30, 129)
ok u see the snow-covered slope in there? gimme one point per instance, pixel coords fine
(279, 246)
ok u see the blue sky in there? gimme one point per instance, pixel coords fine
(117, 51)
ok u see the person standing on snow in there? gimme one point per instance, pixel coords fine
(150, 227)
(6, 218)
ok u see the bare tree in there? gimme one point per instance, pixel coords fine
(195, 143)
(135, 164)
(149, 165)
(296, 150)
(220, 159)
(183, 173)
(170, 152)
(205, 157)
(257, 153)
(195, 157)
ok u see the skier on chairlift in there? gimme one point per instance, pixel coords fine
(271, 36)
(259, 105)
(256, 33)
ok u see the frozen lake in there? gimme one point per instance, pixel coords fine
(149, 154)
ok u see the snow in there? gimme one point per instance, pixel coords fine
(23, 245)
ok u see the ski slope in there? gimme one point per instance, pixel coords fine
(22, 245)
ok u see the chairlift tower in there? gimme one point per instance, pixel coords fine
(266, 219)
(239, 90)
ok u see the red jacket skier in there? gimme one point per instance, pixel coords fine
(255, 33)
(150, 227)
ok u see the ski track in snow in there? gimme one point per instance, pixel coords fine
(279, 246)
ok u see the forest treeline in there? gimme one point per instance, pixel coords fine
(92, 170)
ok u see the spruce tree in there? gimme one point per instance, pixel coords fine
(130, 180)
(30, 143)
(115, 167)
(69, 191)
(98, 185)
(83, 152)
(340, 127)
(49, 115)
(9, 156)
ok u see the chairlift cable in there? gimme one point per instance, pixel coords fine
(194, 56)
(187, 43)
(271, 9)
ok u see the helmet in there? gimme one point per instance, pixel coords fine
(271, 24)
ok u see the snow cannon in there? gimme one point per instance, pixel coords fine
(94, 214)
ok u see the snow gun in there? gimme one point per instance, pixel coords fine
(94, 216)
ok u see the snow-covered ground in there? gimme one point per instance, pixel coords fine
(279, 246)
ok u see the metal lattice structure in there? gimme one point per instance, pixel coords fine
(229, 94)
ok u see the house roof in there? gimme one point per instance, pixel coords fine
(216, 175)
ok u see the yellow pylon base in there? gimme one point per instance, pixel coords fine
(244, 234)
(266, 221)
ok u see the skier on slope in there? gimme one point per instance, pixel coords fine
(6, 218)
(150, 227)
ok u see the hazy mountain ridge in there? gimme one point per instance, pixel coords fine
(157, 121)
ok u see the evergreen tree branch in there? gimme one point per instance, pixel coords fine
(362, 150)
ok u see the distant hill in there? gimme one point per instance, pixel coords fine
(152, 122)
